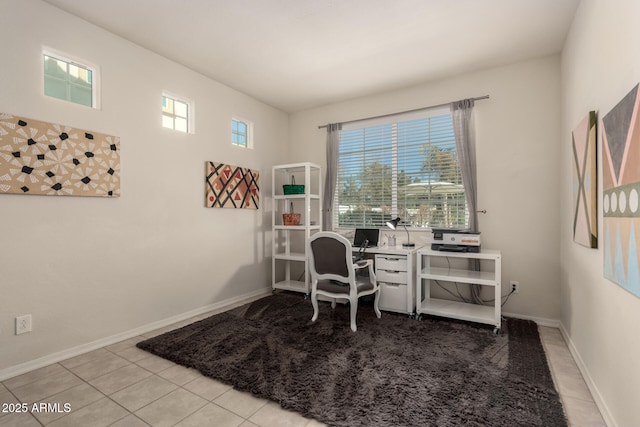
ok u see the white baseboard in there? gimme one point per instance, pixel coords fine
(47, 360)
(539, 320)
(597, 397)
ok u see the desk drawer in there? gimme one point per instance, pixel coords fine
(391, 276)
(393, 297)
(390, 262)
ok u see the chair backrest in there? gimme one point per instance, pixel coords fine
(330, 254)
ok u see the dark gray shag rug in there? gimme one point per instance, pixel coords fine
(394, 371)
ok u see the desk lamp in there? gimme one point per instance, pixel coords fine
(393, 224)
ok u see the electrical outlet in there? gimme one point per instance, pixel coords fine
(23, 324)
(515, 287)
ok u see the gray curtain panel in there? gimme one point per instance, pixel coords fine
(464, 129)
(331, 175)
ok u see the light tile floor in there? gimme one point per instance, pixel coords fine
(123, 386)
(576, 398)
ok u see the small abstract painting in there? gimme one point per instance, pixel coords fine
(585, 219)
(230, 186)
(49, 159)
(621, 191)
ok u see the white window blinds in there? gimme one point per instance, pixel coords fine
(403, 165)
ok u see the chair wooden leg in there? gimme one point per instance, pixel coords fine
(375, 304)
(333, 304)
(354, 311)
(314, 303)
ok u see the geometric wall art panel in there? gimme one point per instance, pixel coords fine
(49, 159)
(585, 218)
(230, 186)
(621, 191)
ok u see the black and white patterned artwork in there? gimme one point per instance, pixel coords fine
(50, 159)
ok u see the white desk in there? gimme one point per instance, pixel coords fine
(395, 272)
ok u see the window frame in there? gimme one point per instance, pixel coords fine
(249, 132)
(396, 206)
(189, 120)
(78, 62)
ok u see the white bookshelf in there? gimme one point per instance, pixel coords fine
(290, 269)
(428, 273)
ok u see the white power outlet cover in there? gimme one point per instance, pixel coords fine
(515, 286)
(23, 324)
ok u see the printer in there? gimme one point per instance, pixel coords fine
(451, 240)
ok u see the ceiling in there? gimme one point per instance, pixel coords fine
(298, 54)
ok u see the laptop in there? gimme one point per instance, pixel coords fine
(370, 235)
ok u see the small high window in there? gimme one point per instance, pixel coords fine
(241, 131)
(175, 114)
(68, 80)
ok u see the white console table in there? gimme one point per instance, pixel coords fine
(428, 272)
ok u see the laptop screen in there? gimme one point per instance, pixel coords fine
(369, 234)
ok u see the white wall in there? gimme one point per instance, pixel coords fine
(600, 65)
(518, 165)
(91, 268)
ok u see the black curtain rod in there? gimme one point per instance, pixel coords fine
(403, 112)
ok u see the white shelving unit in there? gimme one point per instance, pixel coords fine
(428, 272)
(290, 269)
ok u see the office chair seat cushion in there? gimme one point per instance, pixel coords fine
(329, 286)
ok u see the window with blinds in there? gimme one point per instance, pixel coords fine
(405, 165)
